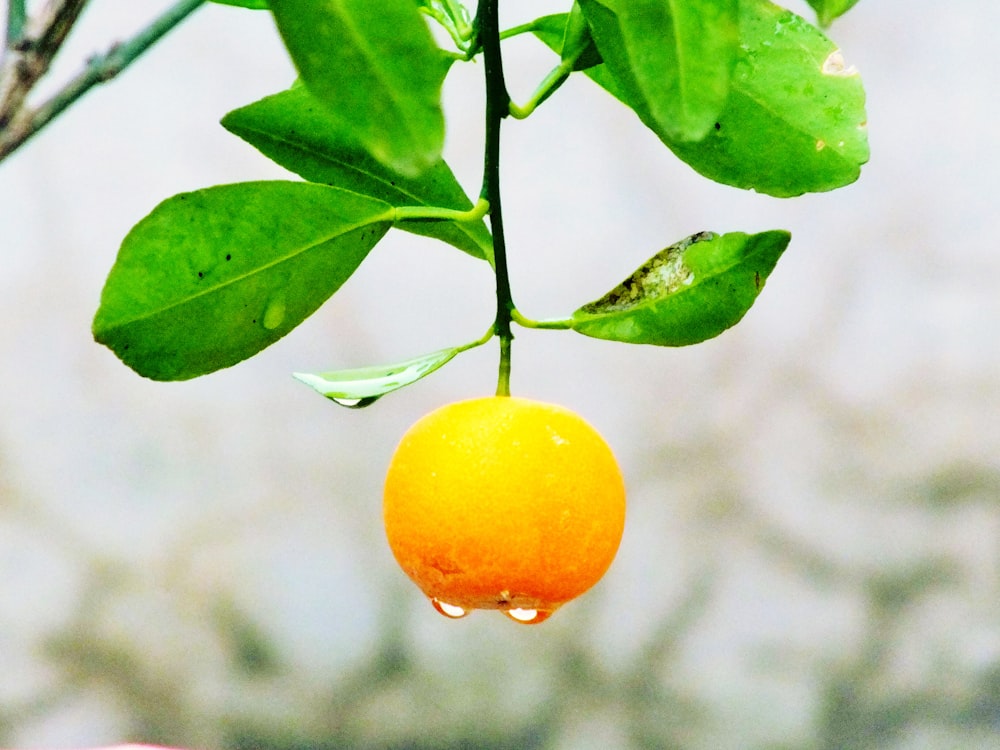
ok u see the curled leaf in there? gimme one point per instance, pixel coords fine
(689, 292)
(363, 386)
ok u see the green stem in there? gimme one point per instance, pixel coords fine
(555, 324)
(497, 107)
(556, 78)
(15, 22)
(436, 213)
(100, 68)
(524, 28)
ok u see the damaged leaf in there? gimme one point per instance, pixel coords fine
(689, 292)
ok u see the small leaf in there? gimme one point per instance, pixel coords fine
(364, 385)
(689, 292)
(210, 278)
(829, 10)
(377, 69)
(672, 59)
(293, 129)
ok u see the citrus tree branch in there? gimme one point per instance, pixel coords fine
(497, 107)
(31, 46)
(29, 56)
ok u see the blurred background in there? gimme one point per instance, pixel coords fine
(812, 554)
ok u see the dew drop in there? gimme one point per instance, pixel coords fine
(274, 314)
(528, 616)
(449, 610)
(354, 403)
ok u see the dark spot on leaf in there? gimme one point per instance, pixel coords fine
(756, 279)
(229, 256)
(718, 126)
(201, 274)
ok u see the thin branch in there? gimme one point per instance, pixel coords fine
(32, 53)
(21, 123)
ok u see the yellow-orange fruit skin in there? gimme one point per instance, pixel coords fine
(504, 503)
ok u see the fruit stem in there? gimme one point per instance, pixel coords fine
(487, 27)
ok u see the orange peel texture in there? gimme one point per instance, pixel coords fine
(503, 503)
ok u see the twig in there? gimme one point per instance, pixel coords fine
(30, 52)
(28, 60)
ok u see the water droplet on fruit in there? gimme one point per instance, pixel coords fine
(449, 610)
(274, 313)
(528, 616)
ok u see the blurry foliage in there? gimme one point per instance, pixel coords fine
(867, 697)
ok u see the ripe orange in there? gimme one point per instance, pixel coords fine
(503, 503)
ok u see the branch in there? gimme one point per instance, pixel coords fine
(31, 49)
(28, 60)
(497, 108)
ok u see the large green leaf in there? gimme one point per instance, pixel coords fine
(689, 292)
(671, 58)
(210, 278)
(829, 10)
(794, 121)
(377, 69)
(295, 131)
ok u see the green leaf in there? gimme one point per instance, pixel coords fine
(829, 10)
(794, 121)
(210, 278)
(689, 292)
(672, 59)
(577, 41)
(363, 386)
(453, 17)
(377, 69)
(294, 130)
(252, 4)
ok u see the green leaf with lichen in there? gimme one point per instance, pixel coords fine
(687, 293)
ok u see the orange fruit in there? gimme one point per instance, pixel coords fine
(503, 503)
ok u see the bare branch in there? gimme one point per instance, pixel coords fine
(29, 58)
